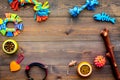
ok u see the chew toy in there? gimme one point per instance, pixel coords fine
(110, 53)
(99, 61)
(72, 63)
(15, 65)
(90, 5)
(10, 32)
(104, 17)
(41, 10)
(10, 46)
(42, 66)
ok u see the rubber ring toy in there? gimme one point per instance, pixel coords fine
(10, 46)
(84, 69)
(42, 66)
(41, 10)
(10, 32)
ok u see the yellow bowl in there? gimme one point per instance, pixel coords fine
(10, 46)
(84, 69)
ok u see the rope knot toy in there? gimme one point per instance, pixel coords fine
(41, 10)
(90, 5)
(75, 11)
(10, 32)
(104, 17)
(14, 4)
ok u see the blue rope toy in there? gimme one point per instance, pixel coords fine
(104, 17)
(90, 5)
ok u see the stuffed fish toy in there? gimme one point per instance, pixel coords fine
(104, 17)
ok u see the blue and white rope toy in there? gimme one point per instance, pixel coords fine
(90, 5)
(104, 17)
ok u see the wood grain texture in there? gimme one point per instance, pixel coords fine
(47, 42)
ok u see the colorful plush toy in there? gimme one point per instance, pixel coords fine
(104, 17)
(41, 10)
(99, 61)
(90, 5)
(10, 32)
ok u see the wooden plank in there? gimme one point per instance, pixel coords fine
(47, 42)
(55, 71)
(60, 53)
(61, 7)
(54, 30)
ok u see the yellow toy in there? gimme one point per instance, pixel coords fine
(14, 66)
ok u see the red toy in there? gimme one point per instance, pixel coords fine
(99, 61)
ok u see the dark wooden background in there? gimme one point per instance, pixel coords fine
(48, 43)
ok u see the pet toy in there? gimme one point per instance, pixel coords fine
(90, 5)
(15, 65)
(84, 69)
(10, 32)
(99, 61)
(41, 10)
(28, 68)
(72, 63)
(104, 17)
(110, 52)
(10, 46)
